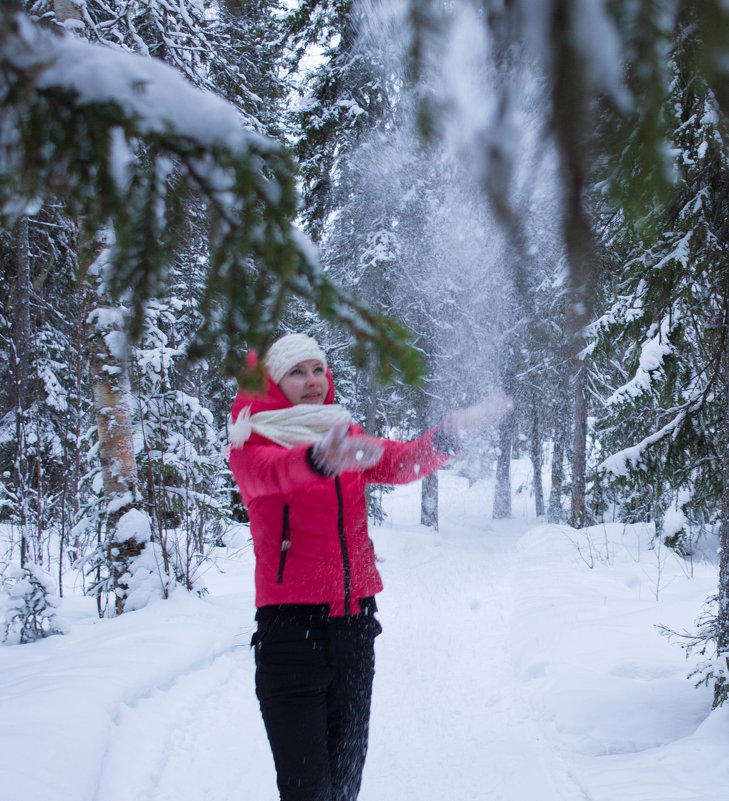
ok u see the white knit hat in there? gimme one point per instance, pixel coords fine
(288, 351)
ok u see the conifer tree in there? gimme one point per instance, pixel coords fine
(664, 336)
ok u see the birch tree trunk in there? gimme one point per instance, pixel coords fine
(132, 560)
(113, 416)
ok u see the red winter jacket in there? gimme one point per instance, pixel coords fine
(309, 532)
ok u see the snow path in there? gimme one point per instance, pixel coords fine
(189, 737)
(448, 719)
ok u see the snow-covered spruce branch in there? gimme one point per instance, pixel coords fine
(652, 354)
(200, 41)
(629, 458)
(124, 138)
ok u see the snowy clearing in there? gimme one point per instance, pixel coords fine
(519, 661)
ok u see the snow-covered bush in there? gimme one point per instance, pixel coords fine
(28, 605)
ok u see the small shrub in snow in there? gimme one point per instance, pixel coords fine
(712, 667)
(28, 605)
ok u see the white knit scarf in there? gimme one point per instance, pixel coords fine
(298, 425)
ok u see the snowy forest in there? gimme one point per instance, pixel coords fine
(451, 196)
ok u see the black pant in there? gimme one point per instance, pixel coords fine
(314, 683)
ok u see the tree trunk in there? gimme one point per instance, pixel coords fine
(579, 448)
(112, 408)
(554, 515)
(429, 501)
(371, 393)
(429, 484)
(502, 494)
(369, 378)
(111, 403)
(66, 10)
(21, 323)
(21, 387)
(721, 687)
(535, 453)
(570, 103)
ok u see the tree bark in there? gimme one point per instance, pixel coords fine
(371, 393)
(113, 414)
(21, 387)
(429, 501)
(429, 484)
(535, 454)
(555, 514)
(721, 686)
(371, 396)
(502, 493)
(66, 10)
(21, 323)
(579, 447)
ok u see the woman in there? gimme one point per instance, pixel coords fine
(302, 468)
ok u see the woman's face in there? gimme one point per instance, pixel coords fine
(305, 382)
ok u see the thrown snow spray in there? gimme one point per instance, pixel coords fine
(442, 211)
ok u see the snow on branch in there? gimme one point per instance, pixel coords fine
(622, 462)
(652, 355)
(155, 94)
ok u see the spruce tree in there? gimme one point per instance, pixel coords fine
(664, 336)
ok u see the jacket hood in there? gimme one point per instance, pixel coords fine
(271, 397)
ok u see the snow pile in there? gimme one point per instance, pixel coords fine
(146, 578)
(530, 665)
(64, 698)
(605, 680)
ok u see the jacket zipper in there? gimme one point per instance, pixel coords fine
(285, 543)
(345, 551)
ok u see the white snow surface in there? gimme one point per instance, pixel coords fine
(519, 661)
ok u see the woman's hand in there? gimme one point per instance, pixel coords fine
(338, 452)
(464, 423)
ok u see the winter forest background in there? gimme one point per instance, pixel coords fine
(450, 196)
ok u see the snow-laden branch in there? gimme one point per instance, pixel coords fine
(156, 95)
(622, 462)
(652, 355)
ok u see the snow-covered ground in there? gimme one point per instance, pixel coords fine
(519, 661)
